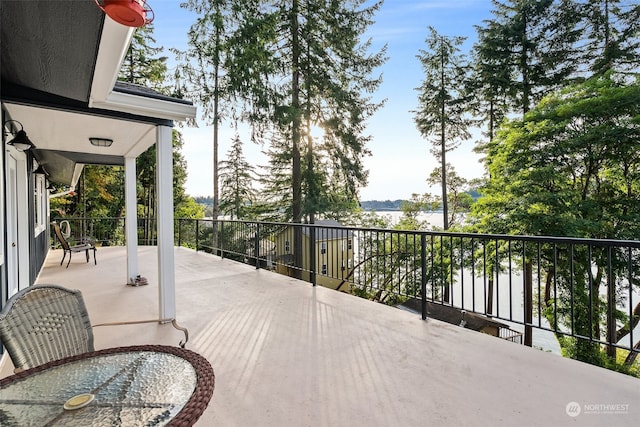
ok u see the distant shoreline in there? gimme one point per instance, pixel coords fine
(400, 210)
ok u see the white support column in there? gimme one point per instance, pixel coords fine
(164, 181)
(131, 218)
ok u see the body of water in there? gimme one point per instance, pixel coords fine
(434, 218)
(470, 292)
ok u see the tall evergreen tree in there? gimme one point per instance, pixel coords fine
(303, 65)
(611, 35)
(203, 68)
(143, 66)
(442, 103)
(531, 42)
(275, 197)
(489, 88)
(237, 177)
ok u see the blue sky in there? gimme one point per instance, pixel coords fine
(400, 162)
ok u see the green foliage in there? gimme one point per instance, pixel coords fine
(146, 177)
(391, 266)
(381, 205)
(189, 209)
(142, 65)
(205, 69)
(99, 192)
(459, 200)
(619, 364)
(365, 219)
(571, 168)
(275, 202)
(488, 87)
(532, 48)
(412, 208)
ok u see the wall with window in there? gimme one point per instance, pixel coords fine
(39, 220)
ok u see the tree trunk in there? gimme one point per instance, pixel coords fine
(631, 357)
(216, 125)
(524, 69)
(296, 179)
(630, 325)
(443, 153)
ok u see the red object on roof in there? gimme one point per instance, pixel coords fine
(132, 13)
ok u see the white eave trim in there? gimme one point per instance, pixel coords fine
(77, 173)
(114, 44)
(144, 106)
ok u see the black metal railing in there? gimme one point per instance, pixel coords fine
(108, 231)
(584, 290)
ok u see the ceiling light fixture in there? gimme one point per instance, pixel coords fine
(21, 141)
(101, 142)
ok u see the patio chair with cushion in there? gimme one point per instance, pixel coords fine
(43, 323)
(69, 249)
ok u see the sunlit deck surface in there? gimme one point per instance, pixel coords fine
(288, 354)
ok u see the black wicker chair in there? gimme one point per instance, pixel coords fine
(69, 249)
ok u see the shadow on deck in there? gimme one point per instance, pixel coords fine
(288, 354)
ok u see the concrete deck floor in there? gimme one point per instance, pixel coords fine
(288, 354)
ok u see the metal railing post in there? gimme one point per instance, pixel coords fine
(220, 240)
(528, 304)
(312, 255)
(423, 277)
(611, 309)
(197, 234)
(257, 246)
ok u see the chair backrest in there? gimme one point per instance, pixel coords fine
(44, 323)
(61, 239)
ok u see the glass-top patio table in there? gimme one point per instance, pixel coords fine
(148, 385)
